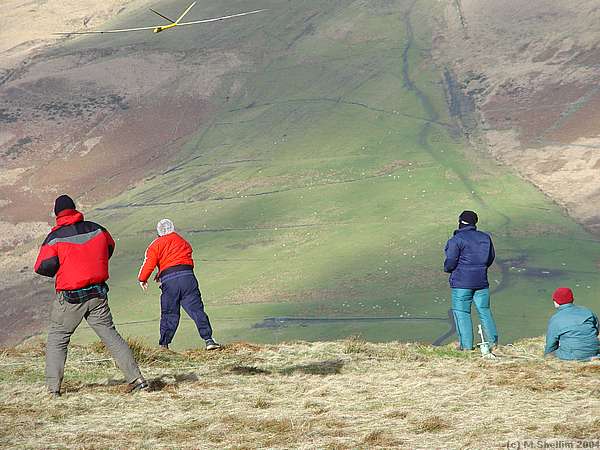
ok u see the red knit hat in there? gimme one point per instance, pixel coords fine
(563, 295)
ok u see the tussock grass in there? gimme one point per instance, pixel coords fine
(448, 351)
(328, 367)
(248, 370)
(381, 438)
(528, 379)
(576, 430)
(32, 348)
(335, 395)
(262, 403)
(355, 344)
(431, 425)
(397, 414)
(590, 369)
(143, 354)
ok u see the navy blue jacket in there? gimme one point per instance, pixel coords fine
(469, 253)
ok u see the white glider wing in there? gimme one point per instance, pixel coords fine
(185, 12)
(124, 30)
(220, 18)
(164, 27)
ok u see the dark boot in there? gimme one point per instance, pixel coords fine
(138, 385)
(212, 345)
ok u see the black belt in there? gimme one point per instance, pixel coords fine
(82, 295)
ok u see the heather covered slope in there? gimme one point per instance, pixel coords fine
(315, 158)
(336, 395)
(531, 69)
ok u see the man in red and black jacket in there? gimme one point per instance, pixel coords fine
(76, 252)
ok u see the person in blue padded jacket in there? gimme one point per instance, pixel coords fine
(469, 254)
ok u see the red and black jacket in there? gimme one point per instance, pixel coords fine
(76, 252)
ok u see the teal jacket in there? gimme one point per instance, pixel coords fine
(573, 333)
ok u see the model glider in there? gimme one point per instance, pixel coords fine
(171, 24)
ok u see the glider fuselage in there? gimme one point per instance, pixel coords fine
(165, 27)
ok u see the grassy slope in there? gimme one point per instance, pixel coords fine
(329, 183)
(334, 395)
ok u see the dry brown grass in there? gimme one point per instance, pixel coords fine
(431, 425)
(262, 403)
(30, 349)
(143, 354)
(577, 430)
(336, 395)
(381, 438)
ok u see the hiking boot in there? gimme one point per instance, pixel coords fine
(212, 345)
(138, 385)
(458, 347)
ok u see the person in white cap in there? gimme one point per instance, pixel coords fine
(172, 254)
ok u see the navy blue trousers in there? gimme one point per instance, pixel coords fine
(180, 289)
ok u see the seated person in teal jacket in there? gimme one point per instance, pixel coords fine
(572, 330)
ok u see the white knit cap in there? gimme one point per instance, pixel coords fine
(164, 227)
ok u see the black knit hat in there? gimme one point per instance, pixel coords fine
(63, 202)
(468, 218)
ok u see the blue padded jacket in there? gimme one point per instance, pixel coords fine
(469, 253)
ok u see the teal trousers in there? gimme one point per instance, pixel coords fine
(461, 310)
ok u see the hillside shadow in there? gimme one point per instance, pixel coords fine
(326, 367)
(162, 382)
(248, 370)
(116, 386)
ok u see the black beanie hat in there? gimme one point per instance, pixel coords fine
(63, 202)
(468, 218)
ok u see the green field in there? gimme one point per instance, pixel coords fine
(327, 186)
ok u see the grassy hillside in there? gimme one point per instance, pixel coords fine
(336, 395)
(327, 183)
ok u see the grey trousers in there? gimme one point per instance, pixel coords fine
(64, 320)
